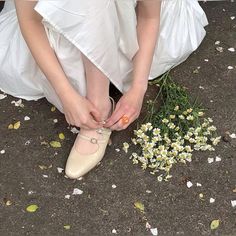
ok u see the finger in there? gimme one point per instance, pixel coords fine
(92, 124)
(95, 113)
(120, 125)
(115, 117)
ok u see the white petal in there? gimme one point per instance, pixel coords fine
(218, 158)
(230, 67)
(210, 160)
(233, 203)
(148, 226)
(77, 191)
(113, 186)
(26, 118)
(59, 169)
(114, 231)
(154, 231)
(45, 176)
(189, 184)
(231, 49)
(217, 42)
(232, 135)
(67, 196)
(232, 17)
(2, 151)
(212, 200)
(199, 185)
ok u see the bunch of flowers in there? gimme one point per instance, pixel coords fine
(171, 134)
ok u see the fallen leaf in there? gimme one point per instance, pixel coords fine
(139, 205)
(53, 109)
(61, 136)
(215, 224)
(32, 208)
(16, 125)
(10, 126)
(55, 144)
(66, 226)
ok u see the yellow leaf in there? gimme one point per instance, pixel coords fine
(17, 125)
(215, 224)
(10, 126)
(32, 208)
(8, 203)
(61, 136)
(139, 206)
(53, 109)
(66, 226)
(55, 144)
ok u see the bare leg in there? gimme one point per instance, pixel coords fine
(98, 94)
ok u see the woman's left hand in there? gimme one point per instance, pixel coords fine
(130, 105)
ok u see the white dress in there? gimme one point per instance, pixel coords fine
(105, 31)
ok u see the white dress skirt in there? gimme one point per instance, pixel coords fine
(103, 30)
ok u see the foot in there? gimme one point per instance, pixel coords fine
(84, 146)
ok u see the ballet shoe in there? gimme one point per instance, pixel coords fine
(78, 164)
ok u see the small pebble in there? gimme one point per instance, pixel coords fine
(230, 67)
(218, 159)
(199, 185)
(232, 17)
(67, 196)
(114, 231)
(113, 186)
(77, 191)
(232, 135)
(45, 176)
(217, 42)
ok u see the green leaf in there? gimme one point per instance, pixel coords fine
(215, 224)
(55, 144)
(66, 226)
(32, 208)
(139, 205)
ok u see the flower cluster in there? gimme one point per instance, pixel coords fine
(161, 148)
(172, 134)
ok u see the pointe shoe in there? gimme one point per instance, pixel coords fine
(79, 164)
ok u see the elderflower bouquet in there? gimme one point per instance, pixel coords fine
(171, 134)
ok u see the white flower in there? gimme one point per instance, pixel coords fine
(176, 108)
(165, 121)
(125, 147)
(190, 117)
(181, 117)
(200, 113)
(156, 131)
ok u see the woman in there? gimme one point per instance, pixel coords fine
(69, 52)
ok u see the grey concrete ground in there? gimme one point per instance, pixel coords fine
(170, 207)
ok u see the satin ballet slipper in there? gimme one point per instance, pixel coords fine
(79, 164)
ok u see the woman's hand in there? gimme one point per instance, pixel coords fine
(130, 104)
(79, 111)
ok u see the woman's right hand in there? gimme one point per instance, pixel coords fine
(79, 111)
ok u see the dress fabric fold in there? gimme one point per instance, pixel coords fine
(104, 31)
